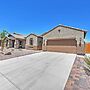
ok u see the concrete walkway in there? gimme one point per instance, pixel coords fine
(40, 71)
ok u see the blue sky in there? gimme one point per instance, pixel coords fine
(38, 16)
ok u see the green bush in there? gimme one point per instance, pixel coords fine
(87, 60)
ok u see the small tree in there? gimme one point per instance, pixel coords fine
(3, 36)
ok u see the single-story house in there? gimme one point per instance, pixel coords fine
(15, 41)
(64, 39)
(60, 39)
(34, 42)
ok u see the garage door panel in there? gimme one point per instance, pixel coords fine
(61, 45)
(61, 42)
(66, 49)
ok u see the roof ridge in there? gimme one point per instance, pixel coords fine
(34, 35)
(73, 27)
(17, 34)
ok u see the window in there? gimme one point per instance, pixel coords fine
(80, 42)
(6, 43)
(31, 41)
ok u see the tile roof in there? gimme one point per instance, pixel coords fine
(34, 35)
(18, 36)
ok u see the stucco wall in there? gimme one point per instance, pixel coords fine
(23, 43)
(34, 40)
(16, 44)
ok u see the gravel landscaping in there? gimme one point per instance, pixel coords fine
(16, 53)
(79, 78)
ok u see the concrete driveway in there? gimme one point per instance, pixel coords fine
(40, 71)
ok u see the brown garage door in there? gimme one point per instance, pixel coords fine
(62, 42)
(62, 45)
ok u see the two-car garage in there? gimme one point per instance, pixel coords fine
(61, 45)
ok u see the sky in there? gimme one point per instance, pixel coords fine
(39, 16)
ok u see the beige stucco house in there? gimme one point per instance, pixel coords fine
(64, 39)
(34, 42)
(15, 41)
(61, 39)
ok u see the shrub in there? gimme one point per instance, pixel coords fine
(87, 62)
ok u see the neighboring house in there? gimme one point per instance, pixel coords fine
(34, 42)
(15, 41)
(87, 48)
(64, 39)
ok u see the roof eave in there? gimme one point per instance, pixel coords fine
(85, 31)
(34, 35)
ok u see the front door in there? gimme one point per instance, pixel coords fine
(13, 42)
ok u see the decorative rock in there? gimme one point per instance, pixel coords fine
(7, 53)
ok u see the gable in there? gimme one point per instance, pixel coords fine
(60, 27)
(63, 32)
(31, 36)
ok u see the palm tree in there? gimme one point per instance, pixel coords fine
(3, 36)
